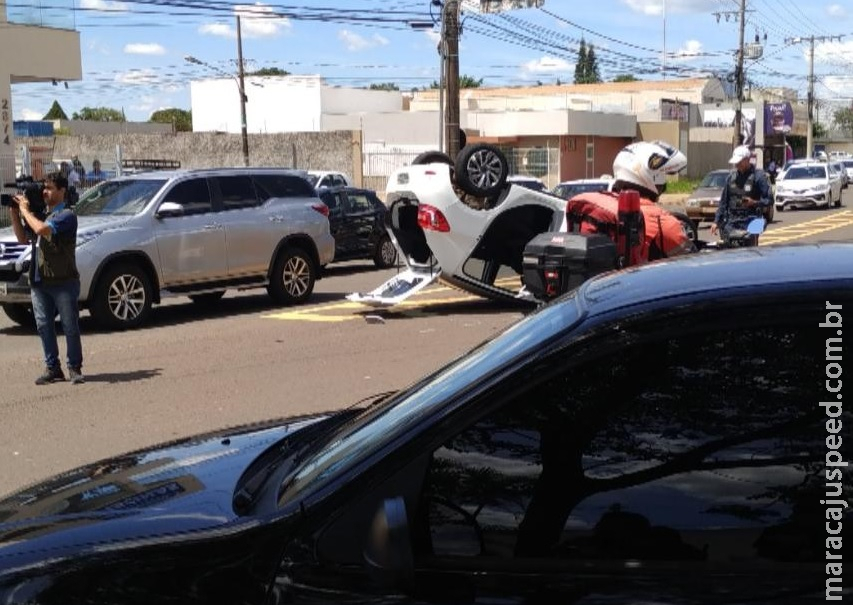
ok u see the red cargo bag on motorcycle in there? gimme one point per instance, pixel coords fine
(663, 234)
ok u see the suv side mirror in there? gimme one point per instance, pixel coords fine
(168, 209)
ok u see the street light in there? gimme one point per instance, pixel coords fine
(241, 89)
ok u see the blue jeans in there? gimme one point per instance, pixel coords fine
(47, 300)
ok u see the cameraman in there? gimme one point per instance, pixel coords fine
(54, 280)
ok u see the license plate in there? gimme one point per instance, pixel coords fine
(3, 290)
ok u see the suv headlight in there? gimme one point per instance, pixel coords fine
(85, 238)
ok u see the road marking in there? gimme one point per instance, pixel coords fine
(407, 307)
(813, 227)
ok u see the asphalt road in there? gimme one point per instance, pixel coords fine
(192, 370)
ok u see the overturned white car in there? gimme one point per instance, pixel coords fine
(462, 223)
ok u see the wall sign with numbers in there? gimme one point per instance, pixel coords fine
(6, 121)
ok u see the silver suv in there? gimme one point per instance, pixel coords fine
(196, 233)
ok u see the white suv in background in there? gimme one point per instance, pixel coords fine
(195, 233)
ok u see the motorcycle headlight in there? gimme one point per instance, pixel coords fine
(85, 238)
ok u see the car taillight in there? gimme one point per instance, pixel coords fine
(431, 218)
(321, 208)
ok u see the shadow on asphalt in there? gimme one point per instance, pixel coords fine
(122, 377)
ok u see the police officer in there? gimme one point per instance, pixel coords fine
(746, 196)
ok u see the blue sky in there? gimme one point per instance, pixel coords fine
(133, 51)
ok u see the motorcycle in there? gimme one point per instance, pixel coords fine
(740, 237)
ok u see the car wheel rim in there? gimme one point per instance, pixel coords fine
(484, 168)
(296, 276)
(389, 253)
(126, 298)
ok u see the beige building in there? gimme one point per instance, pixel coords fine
(52, 53)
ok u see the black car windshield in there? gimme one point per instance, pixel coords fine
(715, 180)
(370, 432)
(118, 198)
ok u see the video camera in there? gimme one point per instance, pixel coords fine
(32, 190)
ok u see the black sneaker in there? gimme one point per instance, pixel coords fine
(51, 375)
(76, 376)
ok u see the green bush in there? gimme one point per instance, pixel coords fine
(682, 185)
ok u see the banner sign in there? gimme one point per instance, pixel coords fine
(778, 118)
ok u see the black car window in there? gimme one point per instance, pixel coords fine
(338, 180)
(237, 192)
(283, 185)
(192, 194)
(703, 449)
(359, 203)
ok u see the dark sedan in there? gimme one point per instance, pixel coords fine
(679, 400)
(357, 222)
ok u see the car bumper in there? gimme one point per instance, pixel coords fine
(702, 213)
(16, 291)
(787, 200)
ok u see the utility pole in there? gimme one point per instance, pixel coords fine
(737, 138)
(450, 25)
(739, 77)
(242, 86)
(810, 98)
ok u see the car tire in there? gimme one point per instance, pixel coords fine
(386, 253)
(837, 203)
(21, 314)
(432, 157)
(770, 214)
(208, 298)
(481, 169)
(292, 277)
(122, 298)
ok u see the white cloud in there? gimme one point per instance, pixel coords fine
(691, 50)
(103, 5)
(356, 43)
(836, 11)
(256, 21)
(137, 76)
(30, 114)
(547, 65)
(434, 36)
(144, 49)
(656, 8)
(831, 53)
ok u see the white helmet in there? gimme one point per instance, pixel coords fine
(645, 164)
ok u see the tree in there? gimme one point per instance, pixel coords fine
(625, 78)
(384, 86)
(819, 131)
(55, 112)
(586, 68)
(269, 71)
(181, 119)
(99, 114)
(580, 63)
(844, 118)
(464, 82)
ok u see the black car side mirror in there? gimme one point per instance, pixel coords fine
(388, 549)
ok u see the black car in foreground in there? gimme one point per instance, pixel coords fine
(667, 434)
(357, 222)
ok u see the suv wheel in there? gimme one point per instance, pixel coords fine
(123, 298)
(21, 314)
(386, 254)
(292, 278)
(481, 169)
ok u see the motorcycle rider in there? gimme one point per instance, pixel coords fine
(640, 167)
(745, 196)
